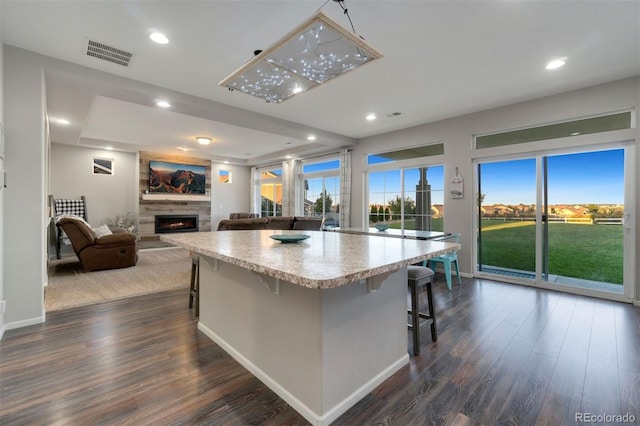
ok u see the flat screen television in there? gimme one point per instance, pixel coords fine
(176, 178)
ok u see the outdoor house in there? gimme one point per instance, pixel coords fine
(455, 126)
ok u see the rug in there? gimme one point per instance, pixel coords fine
(156, 270)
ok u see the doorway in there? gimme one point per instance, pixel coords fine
(557, 220)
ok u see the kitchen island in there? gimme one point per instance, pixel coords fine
(322, 322)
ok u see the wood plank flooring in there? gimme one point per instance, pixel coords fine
(505, 354)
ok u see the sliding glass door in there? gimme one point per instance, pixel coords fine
(507, 217)
(556, 219)
(584, 227)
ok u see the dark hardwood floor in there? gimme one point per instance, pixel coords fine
(505, 354)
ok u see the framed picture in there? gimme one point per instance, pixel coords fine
(224, 176)
(102, 166)
(177, 178)
(457, 186)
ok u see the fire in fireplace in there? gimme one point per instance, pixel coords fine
(176, 223)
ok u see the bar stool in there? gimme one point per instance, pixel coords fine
(194, 293)
(419, 275)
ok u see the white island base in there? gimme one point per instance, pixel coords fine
(321, 350)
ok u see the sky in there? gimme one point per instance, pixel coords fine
(584, 178)
(172, 167)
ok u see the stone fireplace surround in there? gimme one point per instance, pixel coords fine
(174, 205)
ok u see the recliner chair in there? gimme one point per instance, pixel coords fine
(118, 250)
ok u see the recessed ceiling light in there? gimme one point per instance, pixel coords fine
(203, 140)
(159, 38)
(63, 121)
(287, 156)
(108, 148)
(556, 63)
(226, 162)
(371, 117)
(184, 148)
(311, 138)
(163, 104)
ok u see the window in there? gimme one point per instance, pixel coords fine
(321, 195)
(411, 198)
(406, 154)
(404, 191)
(271, 192)
(604, 123)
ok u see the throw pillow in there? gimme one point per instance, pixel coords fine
(102, 231)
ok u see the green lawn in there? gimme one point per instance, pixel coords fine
(591, 252)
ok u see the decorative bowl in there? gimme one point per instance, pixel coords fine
(289, 238)
(381, 226)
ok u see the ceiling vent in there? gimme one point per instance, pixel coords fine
(108, 53)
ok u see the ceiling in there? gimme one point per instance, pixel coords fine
(441, 59)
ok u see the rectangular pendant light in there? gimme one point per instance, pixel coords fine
(315, 52)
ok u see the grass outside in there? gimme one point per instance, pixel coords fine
(590, 252)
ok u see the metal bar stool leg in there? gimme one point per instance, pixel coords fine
(432, 313)
(418, 275)
(415, 317)
(194, 292)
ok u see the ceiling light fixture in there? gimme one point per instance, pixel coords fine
(371, 117)
(108, 148)
(163, 104)
(63, 121)
(159, 38)
(316, 51)
(556, 63)
(203, 140)
(311, 138)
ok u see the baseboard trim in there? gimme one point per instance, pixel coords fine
(24, 323)
(313, 417)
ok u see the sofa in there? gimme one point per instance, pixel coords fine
(272, 222)
(242, 215)
(116, 250)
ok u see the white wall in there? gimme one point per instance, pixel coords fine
(1, 189)
(457, 135)
(107, 195)
(24, 198)
(229, 197)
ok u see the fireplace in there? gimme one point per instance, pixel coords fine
(176, 223)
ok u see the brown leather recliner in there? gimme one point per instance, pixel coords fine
(118, 250)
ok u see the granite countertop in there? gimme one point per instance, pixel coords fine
(326, 260)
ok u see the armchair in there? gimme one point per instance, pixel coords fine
(117, 250)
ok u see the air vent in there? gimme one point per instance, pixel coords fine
(108, 53)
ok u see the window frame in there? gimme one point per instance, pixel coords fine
(402, 166)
